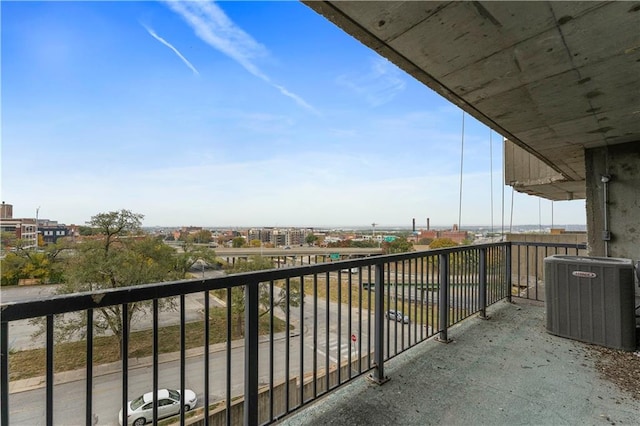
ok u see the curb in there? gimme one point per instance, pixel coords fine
(38, 382)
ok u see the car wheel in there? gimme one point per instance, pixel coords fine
(139, 422)
(186, 408)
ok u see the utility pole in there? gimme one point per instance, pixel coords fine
(37, 211)
(373, 235)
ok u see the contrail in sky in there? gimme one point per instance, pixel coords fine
(170, 46)
(214, 27)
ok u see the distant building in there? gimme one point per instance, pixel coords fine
(23, 228)
(296, 237)
(51, 231)
(279, 237)
(6, 211)
(454, 234)
(28, 230)
(262, 234)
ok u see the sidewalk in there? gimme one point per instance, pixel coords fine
(115, 367)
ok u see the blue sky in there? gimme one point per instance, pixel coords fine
(233, 114)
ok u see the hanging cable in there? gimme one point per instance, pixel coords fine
(491, 175)
(511, 220)
(503, 185)
(461, 166)
(540, 215)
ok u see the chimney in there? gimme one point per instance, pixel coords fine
(427, 224)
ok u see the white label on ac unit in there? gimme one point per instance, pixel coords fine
(583, 274)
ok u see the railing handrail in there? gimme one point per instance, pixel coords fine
(60, 304)
(579, 246)
(465, 279)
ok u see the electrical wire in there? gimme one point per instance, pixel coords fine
(461, 168)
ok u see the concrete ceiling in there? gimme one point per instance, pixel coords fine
(555, 78)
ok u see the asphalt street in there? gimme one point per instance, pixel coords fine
(343, 339)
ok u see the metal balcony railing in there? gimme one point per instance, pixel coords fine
(290, 335)
(528, 262)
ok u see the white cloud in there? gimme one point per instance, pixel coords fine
(170, 46)
(214, 27)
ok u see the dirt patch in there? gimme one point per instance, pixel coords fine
(619, 367)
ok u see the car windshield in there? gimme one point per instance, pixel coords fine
(175, 395)
(137, 403)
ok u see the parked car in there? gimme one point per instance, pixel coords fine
(140, 410)
(397, 316)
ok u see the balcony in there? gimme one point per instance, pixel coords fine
(505, 371)
(331, 347)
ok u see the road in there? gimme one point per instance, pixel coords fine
(27, 407)
(21, 333)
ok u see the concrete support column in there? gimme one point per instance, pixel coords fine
(613, 200)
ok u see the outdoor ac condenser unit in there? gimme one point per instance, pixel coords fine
(591, 299)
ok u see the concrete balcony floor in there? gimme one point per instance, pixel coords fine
(503, 371)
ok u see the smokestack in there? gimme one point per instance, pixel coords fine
(427, 224)
(414, 224)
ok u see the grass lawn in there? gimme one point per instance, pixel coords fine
(72, 355)
(106, 349)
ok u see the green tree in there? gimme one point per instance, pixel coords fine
(399, 245)
(8, 240)
(442, 243)
(192, 254)
(43, 265)
(119, 258)
(260, 263)
(467, 241)
(12, 267)
(255, 243)
(238, 242)
(203, 236)
(363, 244)
(86, 231)
(311, 239)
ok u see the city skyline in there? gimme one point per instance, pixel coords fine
(370, 227)
(247, 113)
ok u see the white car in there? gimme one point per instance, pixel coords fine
(397, 316)
(140, 410)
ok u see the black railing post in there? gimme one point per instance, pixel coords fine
(183, 349)
(443, 292)
(125, 361)
(378, 344)
(49, 372)
(89, 419)
(156, 353)
(207, 359)
(4, 373)
(251, 354)
(508, 273)
(483, 283)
